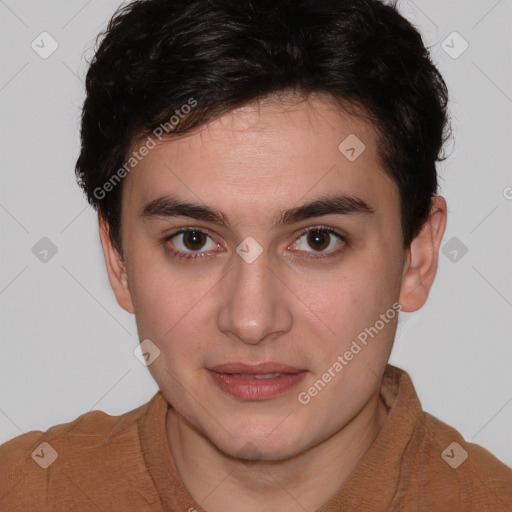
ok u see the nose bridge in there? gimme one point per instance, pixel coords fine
(254, 305)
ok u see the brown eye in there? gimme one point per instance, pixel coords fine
(190, 243)
(318, 239)
(194, 240)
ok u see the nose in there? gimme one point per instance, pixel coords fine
(255, 303)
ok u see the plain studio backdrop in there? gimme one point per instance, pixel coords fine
(67, 347)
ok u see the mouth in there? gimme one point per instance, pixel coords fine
(256, 382)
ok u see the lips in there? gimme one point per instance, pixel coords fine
(257, 375)
(254, 369)
(256, 382)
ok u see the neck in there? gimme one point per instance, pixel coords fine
(220, 483)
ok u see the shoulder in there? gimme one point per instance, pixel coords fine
(439, 469)
(32, 461)
(474, 476)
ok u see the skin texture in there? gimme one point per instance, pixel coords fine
(274, 454)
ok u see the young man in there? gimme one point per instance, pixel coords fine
(265, 179)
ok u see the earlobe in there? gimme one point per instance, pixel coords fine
(116, 271)
(422, 258)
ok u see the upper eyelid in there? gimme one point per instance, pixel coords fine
(319, 227)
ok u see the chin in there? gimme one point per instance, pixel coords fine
(255, 445)
(251, 452)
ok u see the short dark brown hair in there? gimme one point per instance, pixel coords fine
(157, 56)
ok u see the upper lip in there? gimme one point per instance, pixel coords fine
(254, 369)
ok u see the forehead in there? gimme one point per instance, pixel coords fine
(265, 156)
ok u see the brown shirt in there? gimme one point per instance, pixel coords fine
(123, 463)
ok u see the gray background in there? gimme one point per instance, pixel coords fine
(67, 347)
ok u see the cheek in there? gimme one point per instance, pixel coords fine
(172, 310)
(347, 296)
(157, 290)
(349, 303)
(159, 302)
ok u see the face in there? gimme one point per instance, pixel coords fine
(307, 295)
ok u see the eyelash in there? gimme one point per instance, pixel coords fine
(190, 257)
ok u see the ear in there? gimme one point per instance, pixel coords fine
(115, 267)
(422, 258)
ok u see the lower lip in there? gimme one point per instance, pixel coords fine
(256, 389)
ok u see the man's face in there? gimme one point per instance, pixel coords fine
(263, 291)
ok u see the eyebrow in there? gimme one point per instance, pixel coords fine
(169, 207)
